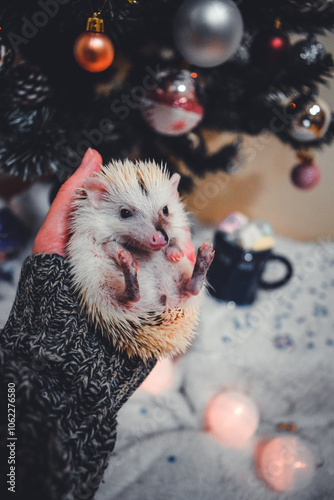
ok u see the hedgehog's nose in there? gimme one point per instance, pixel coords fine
(159, 240)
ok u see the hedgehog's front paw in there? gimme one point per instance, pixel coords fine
(173, 253)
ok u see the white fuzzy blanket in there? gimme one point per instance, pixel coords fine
(163, 451)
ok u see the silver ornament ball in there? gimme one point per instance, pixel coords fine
(208, 32)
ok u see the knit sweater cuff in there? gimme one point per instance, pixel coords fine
(48, 326)
(70, 382)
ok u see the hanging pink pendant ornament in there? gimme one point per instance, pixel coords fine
(172, 108)
(306, 174)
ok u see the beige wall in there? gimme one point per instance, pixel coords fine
(261, 188)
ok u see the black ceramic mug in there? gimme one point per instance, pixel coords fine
(236, 274)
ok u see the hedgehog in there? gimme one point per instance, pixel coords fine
(127, 253)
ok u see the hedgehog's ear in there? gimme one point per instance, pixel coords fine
(175, 179)
(96, 191)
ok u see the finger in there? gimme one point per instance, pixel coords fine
(91, 163)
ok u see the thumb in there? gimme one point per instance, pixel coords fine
(52, 236)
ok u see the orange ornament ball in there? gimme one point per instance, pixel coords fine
(94, 52)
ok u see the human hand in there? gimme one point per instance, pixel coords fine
(53, 234)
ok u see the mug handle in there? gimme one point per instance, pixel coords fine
(271, 285)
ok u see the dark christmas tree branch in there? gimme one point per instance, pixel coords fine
(52, 110)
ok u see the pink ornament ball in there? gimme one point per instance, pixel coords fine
(305, 175)
(160, 378)
(285, 464)
(232, 418)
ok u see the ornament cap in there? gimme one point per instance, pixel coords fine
(305, 157)
(95, 24)
(278, 24)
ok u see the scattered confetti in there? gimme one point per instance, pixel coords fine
(286, 427)
(284, 342)
(320, 310)
(226, 339)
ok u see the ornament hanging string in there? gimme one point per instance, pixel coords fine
(99, 12)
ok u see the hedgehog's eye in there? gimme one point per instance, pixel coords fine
(165, 210)
(125, 213)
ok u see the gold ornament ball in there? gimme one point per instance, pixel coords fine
(94, 52)
(312, 122)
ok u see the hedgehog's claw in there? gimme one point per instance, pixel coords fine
(173, 254)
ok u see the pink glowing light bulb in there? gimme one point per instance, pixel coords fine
(232, 418)
(285, 464)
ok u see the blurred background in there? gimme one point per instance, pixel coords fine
(262, 187)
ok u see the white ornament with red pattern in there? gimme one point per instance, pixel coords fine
(173, 108)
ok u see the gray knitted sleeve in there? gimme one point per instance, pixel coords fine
(69, 385)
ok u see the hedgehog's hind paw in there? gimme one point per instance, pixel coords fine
(204, 258)
(129, 268)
